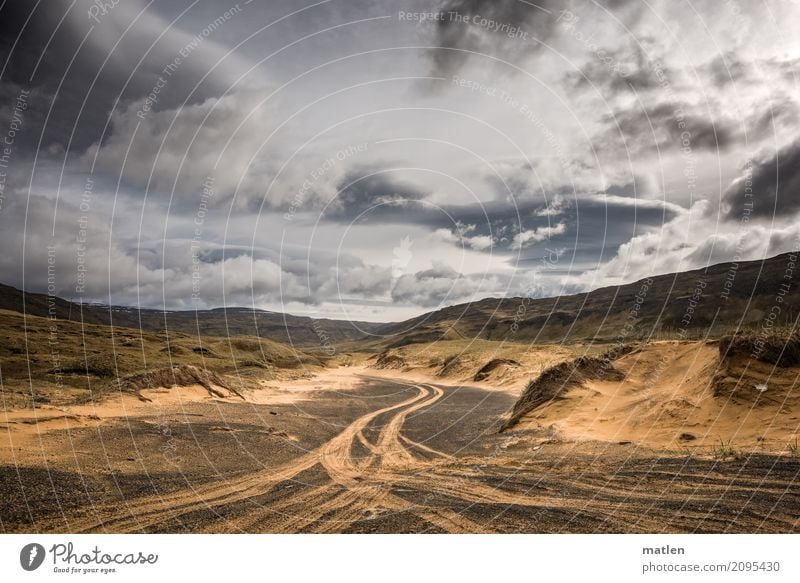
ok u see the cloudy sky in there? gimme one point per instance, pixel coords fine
(373, 160)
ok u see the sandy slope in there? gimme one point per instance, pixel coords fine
(667, 400)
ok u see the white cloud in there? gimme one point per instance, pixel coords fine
(478, 242)
(442, 285)
(92, 265)
(529, 237)
(694, 239)
(555, 206)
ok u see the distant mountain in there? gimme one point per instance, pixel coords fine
(710, 301)
(285, 328)
(714, 300)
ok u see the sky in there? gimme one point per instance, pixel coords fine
(374, 160)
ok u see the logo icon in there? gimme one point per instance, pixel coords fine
(402, 255)
(31, 556)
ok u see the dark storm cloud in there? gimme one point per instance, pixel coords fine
(59, 52)
(505, 29)
(372, 194)
(590, 224)
(617, 4)
(731, 68)
(663, 126)
(727, 68)
(28, 67)
(616, 71)
(766, 189)
(780, 113)
(23, 109)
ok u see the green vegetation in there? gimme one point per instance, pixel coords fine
(778, 346)
(725, 450)
(59, 362)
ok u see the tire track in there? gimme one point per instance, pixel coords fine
(333, 455)
(359, 486)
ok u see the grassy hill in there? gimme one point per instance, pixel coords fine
(711, 301)
(284, 328)
(61, 362)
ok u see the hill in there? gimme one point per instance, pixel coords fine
(42, 361)
(704, 302)
(234, 321)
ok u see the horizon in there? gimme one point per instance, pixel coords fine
(309, 314)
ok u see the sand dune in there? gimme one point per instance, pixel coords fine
(680, 395)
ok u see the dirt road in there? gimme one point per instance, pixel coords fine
(408, 457)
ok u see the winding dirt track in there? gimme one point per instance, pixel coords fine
(371, 469)
(357, 485)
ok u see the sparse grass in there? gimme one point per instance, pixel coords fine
(78, 363)
(437, 354)
(725, 450)
(793, 448)
(744, 358)
(778, 346)
(182, 376)
(560, 377)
